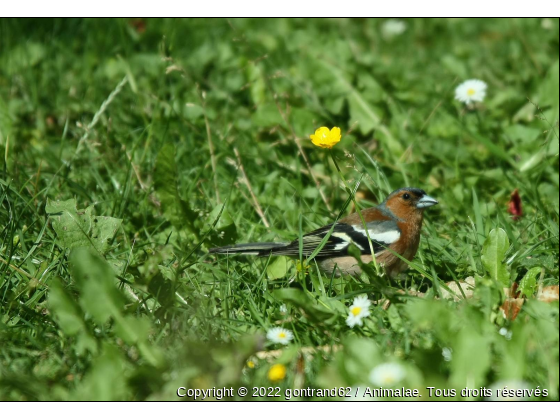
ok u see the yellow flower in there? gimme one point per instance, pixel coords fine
(302, 267)
(277, 372)
(326, 138)
(250, 364)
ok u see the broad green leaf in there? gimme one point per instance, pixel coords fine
(314, 310)
(493, 255)
(304, 122)
(24, 55)
(193, 111)
(395, 318)
(548, 90)
(96, 281)
(167, 272)
(85, 342)
(105, 380)
(361, 354)
(103, 301)
(362, 114)
(278, 268)
(81, 228)
(522, 133)
(256, 78)
(267, 115)
(131, 329)
(135, 330)
(6, 120)
(175, 209)
(528, 283)
(65, 310)
(471, 359)
(336, 305)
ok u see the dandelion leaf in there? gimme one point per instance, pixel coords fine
(81, 228)
(66, 311)
(96, 280)
(493, 254)
(105, 380)
(175, 209)
(528, 283)
(102, 300)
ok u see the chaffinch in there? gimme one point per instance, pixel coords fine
(394, 224)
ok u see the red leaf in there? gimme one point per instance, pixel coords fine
(511, 307)
(514, 206)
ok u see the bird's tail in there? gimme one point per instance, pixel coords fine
(260, 249)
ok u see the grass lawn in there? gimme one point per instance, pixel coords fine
(131, 146)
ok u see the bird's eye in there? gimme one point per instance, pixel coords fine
(406, 196)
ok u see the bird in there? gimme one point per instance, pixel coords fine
(393, 227)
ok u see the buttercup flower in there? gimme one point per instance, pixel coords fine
(387, 374)
(279, 335)
(471, 91)
(302, 267)
(392, 28)
(277, 372)
(326, 138)
(358, 310)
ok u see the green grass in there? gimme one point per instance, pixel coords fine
(175, 134)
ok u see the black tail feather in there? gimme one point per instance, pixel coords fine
(257, 248)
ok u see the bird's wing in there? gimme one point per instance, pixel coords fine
(382, 234)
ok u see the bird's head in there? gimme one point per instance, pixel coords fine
(409, 201)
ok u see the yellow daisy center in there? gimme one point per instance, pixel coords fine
(282, 335)
(470, 91)
(356, 311)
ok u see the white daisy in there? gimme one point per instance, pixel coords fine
(279, 335)
(387, 374)
(358, 310)
(506, 390)
(471, 91)
(392, 28)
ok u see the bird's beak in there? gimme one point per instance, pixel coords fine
(426, 201)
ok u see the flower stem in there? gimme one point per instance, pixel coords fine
(358, 209)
